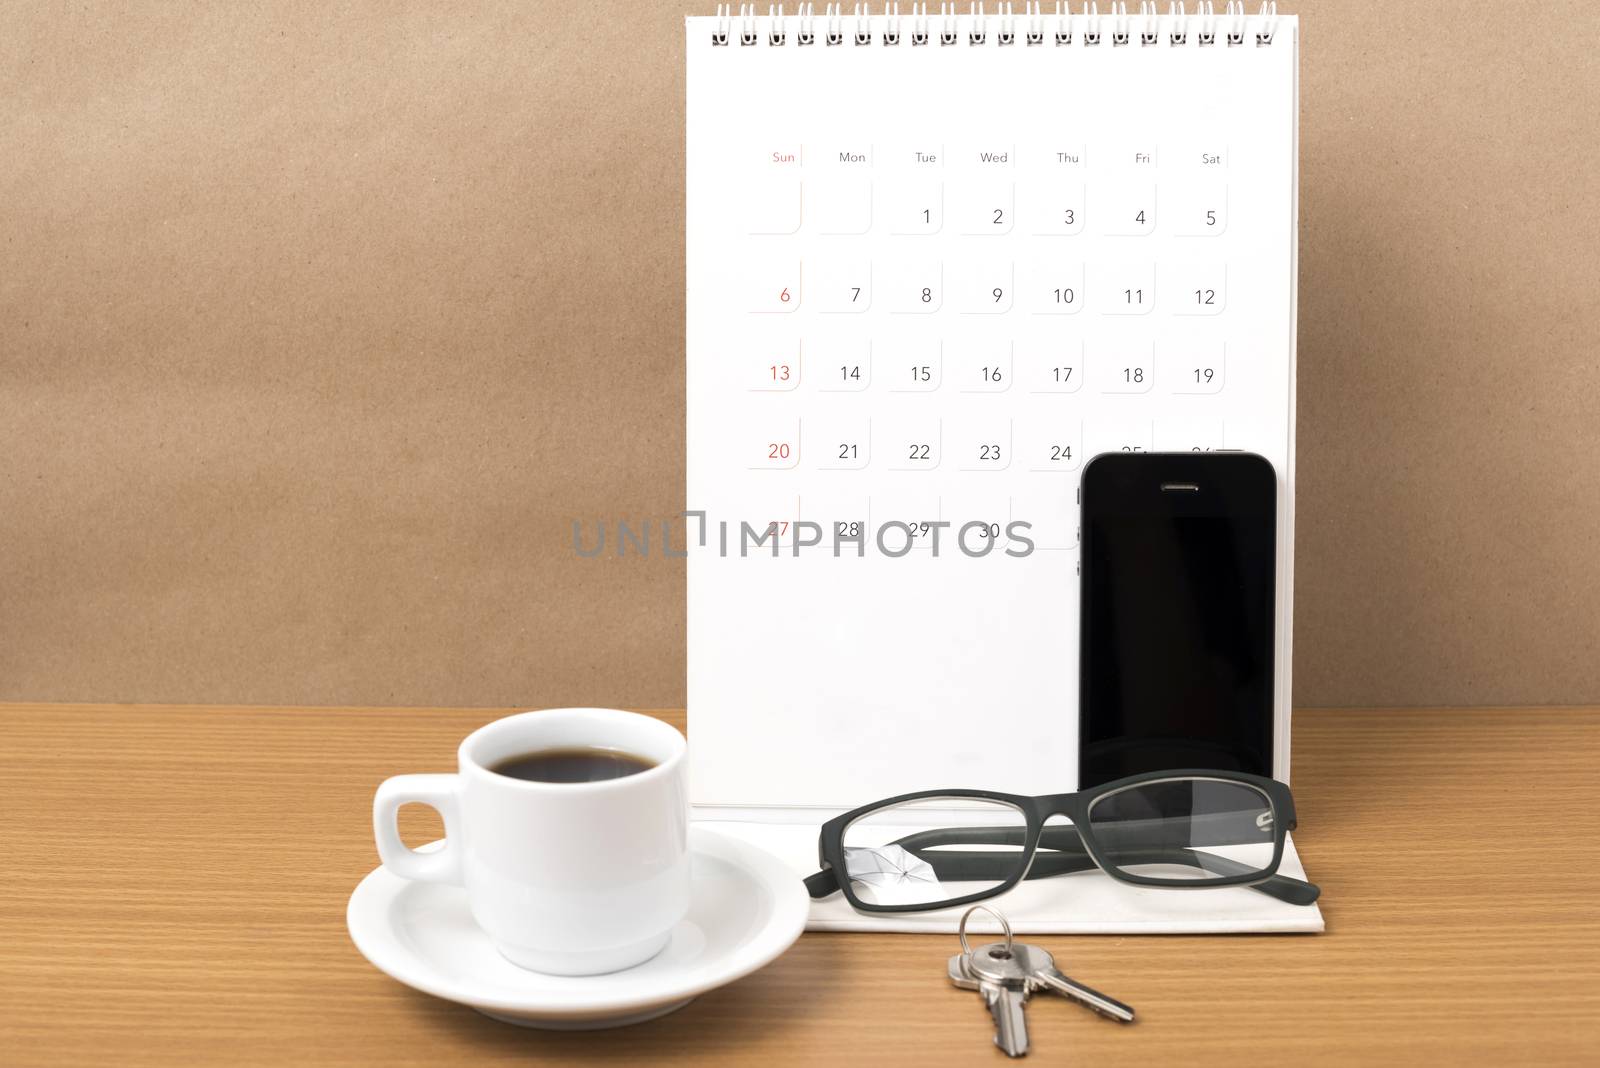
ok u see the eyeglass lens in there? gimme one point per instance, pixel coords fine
(933, 850)
(1181, 830)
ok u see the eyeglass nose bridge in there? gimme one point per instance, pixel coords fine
(1052, 805)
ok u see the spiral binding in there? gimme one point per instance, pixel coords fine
(1088, 28)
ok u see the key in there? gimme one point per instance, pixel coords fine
(1005, 982)
(1004, 1005)
(1010, 1025)
(1044, 975)
(963, 980)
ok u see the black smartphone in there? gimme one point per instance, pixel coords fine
(1178, 583)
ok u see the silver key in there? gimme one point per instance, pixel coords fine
(1046, 976)
(1007, 972)
(964, 979)
(1005, 982)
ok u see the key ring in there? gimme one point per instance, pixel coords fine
(962, 930)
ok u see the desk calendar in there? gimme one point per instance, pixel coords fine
(935, 261)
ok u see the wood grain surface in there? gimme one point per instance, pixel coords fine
(175, 880)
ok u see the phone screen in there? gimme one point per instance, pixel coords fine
(1178, 632)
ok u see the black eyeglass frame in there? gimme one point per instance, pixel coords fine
(1075, 806)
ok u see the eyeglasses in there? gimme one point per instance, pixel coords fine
(1178, 829)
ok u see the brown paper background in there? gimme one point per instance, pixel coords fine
(319, 327)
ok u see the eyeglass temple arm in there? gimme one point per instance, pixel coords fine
(822, 883)
(1070, 856)
(976, 866)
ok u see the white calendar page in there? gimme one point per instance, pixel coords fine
(925, 283)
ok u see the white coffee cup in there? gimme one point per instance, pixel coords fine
(565, 878)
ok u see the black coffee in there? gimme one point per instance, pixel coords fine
(576, 764)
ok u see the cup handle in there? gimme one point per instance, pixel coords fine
(438, 792)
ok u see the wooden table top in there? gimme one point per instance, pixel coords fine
(175, 882)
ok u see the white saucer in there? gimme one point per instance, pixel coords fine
(747, 908)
